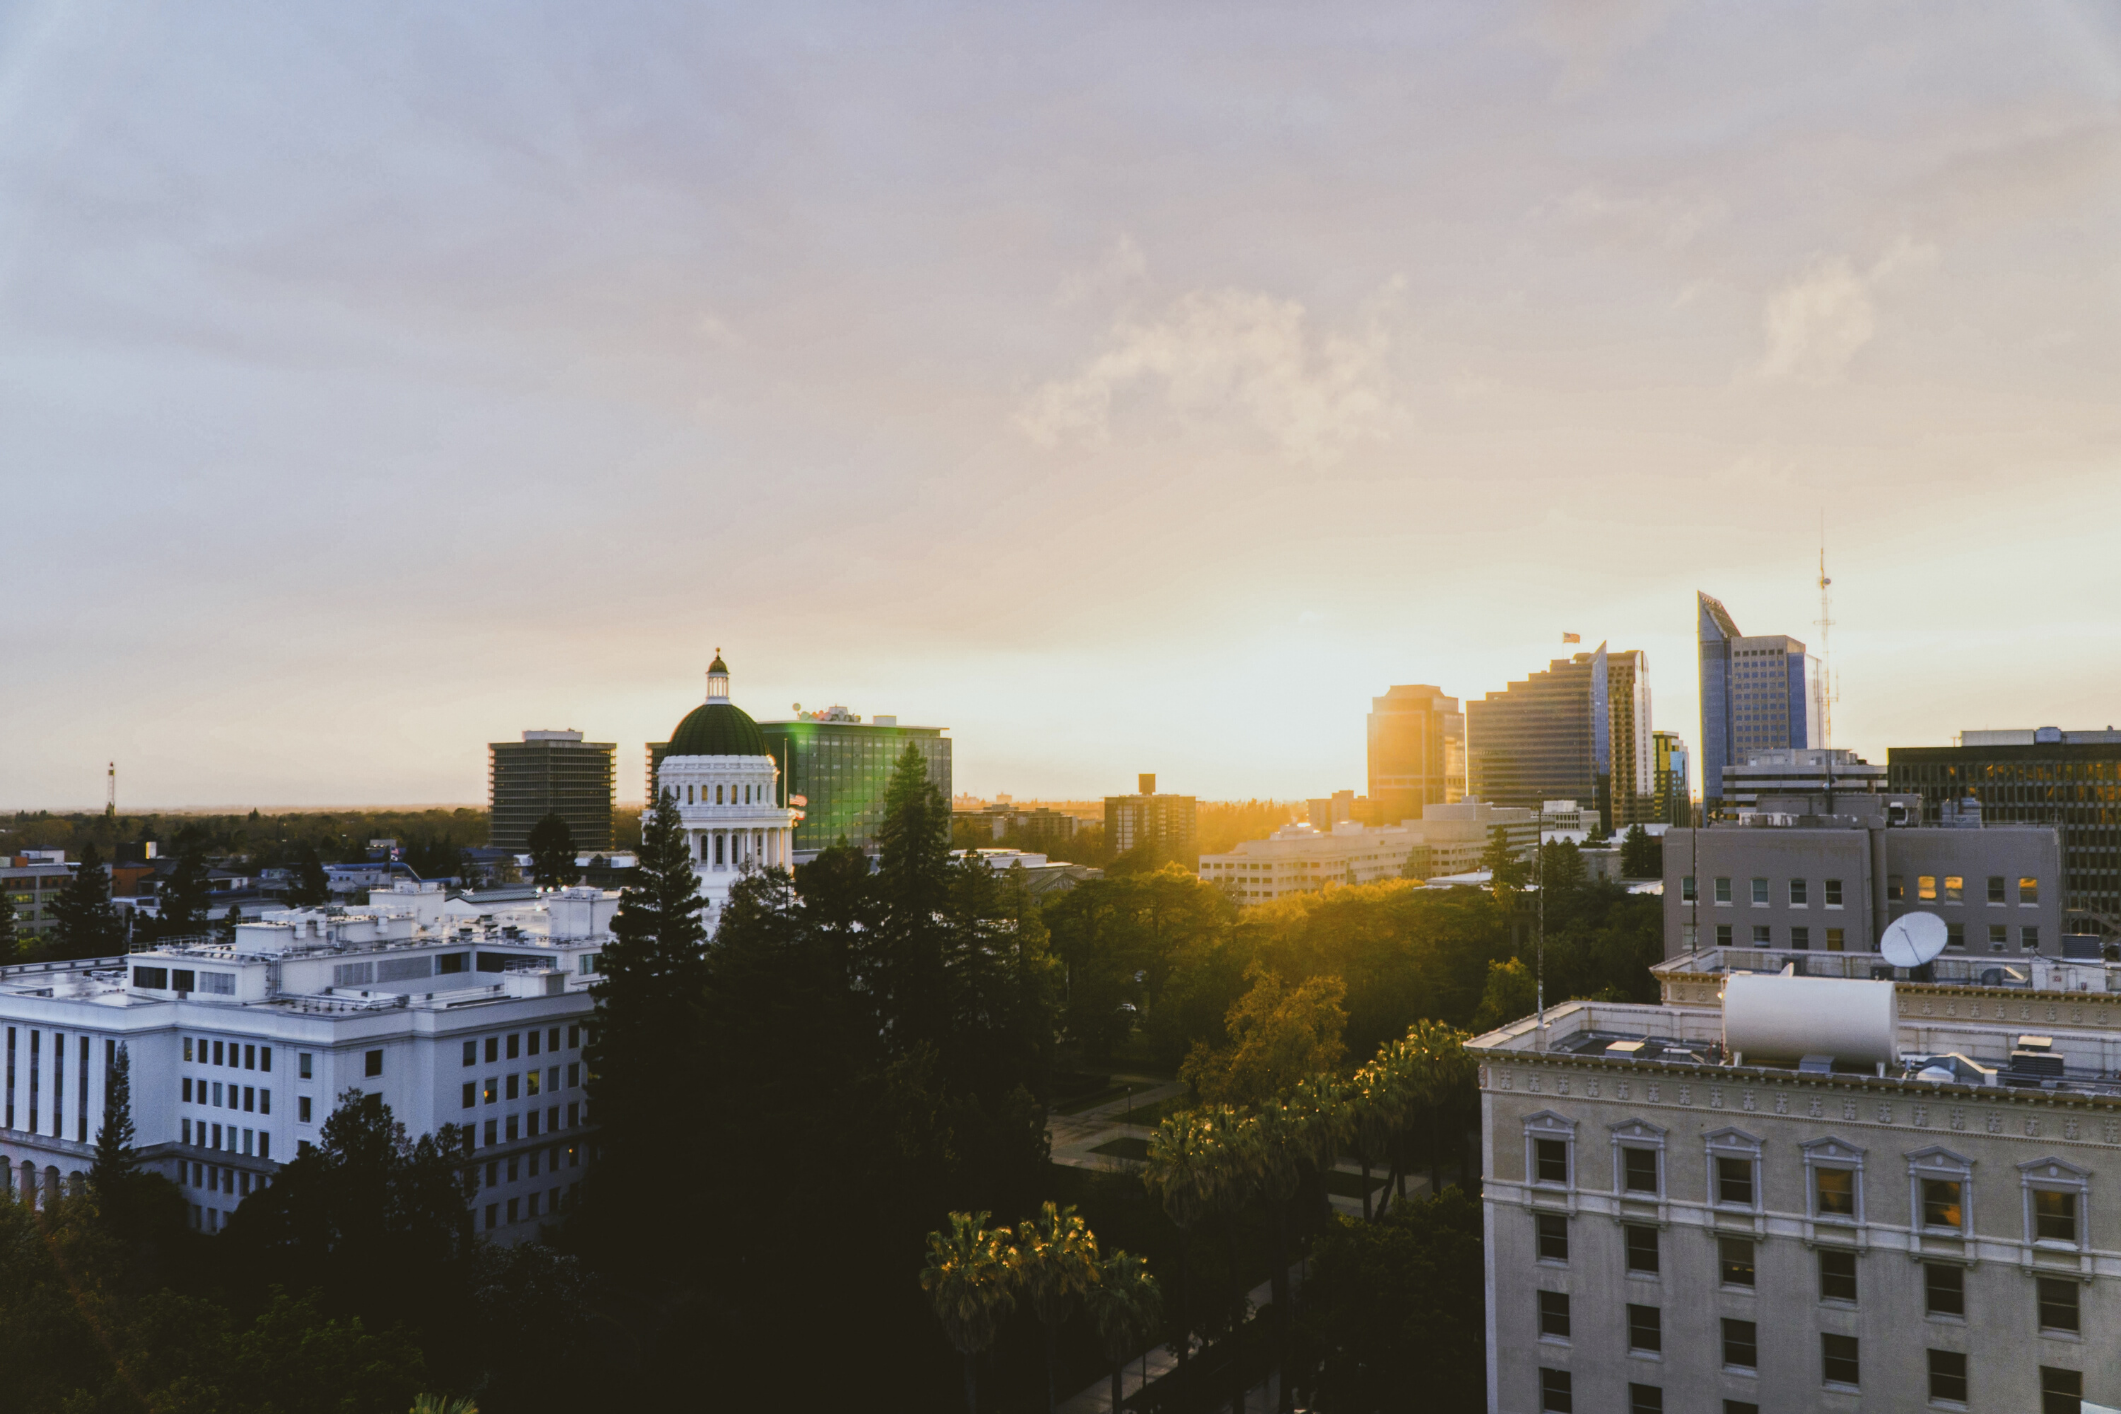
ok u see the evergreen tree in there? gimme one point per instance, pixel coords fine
(650, 980)
(227, 930)
(1641, 854)
(86, 925)
(184, 899)
(312, 884)
(8, 938)
(552, 854)
(115, 1165)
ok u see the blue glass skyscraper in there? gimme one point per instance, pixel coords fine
(1757, 694)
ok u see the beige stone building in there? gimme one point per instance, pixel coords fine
(1677, 1226)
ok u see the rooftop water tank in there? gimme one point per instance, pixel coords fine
(1769, 1018)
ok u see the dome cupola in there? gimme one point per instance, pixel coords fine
(717, 727)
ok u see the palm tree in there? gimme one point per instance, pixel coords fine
(1126, 1307)
(1439, 1068)
(1182, 1171)
(1055, 1262)
(968, 1280)
(1376, 1102)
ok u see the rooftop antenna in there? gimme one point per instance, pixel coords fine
(1826, 658)
(110, 794)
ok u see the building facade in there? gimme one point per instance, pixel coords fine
(1834, 883)
(1581, 730)
(1170, 822)
(2069, 780)
(1841, 780)
(1757, 694)
(30, 884)
(1417, 747)
(718, 770)
(1671, 1225)
(1670, 780)
(1301, 858)
(239, 1052)
(841, 768)
(552, 773)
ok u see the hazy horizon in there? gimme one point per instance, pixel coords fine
(1124, 390)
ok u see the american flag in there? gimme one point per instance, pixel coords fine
(1572, 638)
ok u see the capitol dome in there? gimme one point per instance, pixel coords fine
(717, 727)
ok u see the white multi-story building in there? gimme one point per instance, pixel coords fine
(239, 1051)
(1448, 839)
(726, 784)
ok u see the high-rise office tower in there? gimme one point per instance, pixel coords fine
(1417, 752)
(1757, 694)
(1669, 780)
(1578, 731)
(552, 773)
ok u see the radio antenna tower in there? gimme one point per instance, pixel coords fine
(1826, 657)
(110, 795)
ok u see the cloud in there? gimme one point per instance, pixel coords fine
(1121, 266)
(1234, 354)
(1819, 321)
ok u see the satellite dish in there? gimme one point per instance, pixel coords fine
(1913, 939)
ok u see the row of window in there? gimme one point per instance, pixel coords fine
(523, 1043)
(1929, 888)
(1941, 1182)
(525, 1125)
(248, 1098)
(1836, 939)
(526, 1209)
(1840, 1368)
(513, 1168)
(233, 1054)
(227, 1138)
(58, 1079)
(531, 1082)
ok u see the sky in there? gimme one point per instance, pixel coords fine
(1126, 388)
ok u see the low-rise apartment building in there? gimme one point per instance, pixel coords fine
(452, 1012)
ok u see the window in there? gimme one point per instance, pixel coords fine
(2061, 1391)
(1645, 1329)
(1741, 1344)
(187, 1089)
(265, 1102)
(1641, 1244)
(513, 1132)
(1940, 1203)
(372, 1064)
(1553, 1237)
(1895, 890)
(1800, 938)
(250, 1098)
(1944, 1289)
(1837, 1276)
(515, 1042)
(1954, 889)
(1948, 1376)
(1761, 936)
(1835, 1193)
(530, 1082)
(574, 1074)
(1798, 892)
(250, 1057)
(2028, 890)
(2029, 939)
(531, 1042)
(471, 1053)
(217, 1053)
(302, 1065)
(154, 979)
(1926, 887)
(1638, 1168)
(187, 1050)
(1686, 889)
(1955, 935)
(1833, 893)
(1555, 1395)
(552, 1039)
(493, 1048)
(265, 1058)
(471, 1094)
(1835, 939)
(1734, 1181)
(1999, 937)
(1740, 1406)
(513, 1081)
(1645, 1399)
(493, 1133)
(573, 1037)
(1551, 1160)
(1760, 893)
(2054, 1216)
(1734, 1261)
(1723, 891)
(1837, 1360)
(1995, 889)
(302, 1108)
(2058, 1304)
(1723, 935)
(1553, 1315)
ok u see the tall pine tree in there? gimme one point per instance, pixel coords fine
(642, 1040)
(84, 922)
(184, 899)
(115, 1165)
(9, 942)
(552, 853)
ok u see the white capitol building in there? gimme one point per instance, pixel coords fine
(726, 785)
